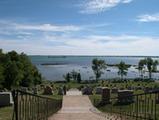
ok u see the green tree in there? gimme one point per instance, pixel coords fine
(141, 67)
(151, 66)
(1, 76)
(17, 70)
(12, 74)
(98, 66)
(78, 78)
(123, 68)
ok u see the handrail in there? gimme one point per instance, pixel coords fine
(137, 106)
(28, 106)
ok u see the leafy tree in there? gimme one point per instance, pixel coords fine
(78, 78)
(151, 66)
(123, 68)
(97, 67)
(141, 67)
(12, 75)
(17, 70)
(1, 76)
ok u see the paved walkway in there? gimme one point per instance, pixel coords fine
(77, 107)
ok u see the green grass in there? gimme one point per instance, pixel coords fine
(6, 113)
(144, 109)
(57, 97)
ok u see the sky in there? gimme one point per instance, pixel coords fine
(80, 27)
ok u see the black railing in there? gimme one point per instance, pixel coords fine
(28, 106)
(140, 106)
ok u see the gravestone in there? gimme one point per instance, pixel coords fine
(98, 90)
(114, 90)
(35, 90)
(6, 98)
(48, 90)
(147, 89)
(87, 91)
(64, 90)
(60, 91)
(24, 89)
(105, 95)
(125, 96)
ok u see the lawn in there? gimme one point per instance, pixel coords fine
(6, 113)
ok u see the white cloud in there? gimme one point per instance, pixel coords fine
(90, 45)
(127, 1)
(48, 27)
(148, 18)
(96, 6)
(7, 25)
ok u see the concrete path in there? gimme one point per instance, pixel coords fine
(77, 107)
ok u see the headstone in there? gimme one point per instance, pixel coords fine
(105, 95)
(35, 90)
(125, 96)
(147, 89)
(60, 91)
(64, 90)
(114, 90)
(48, 90)
(98, 90)
(24, 89)
(87, 91)
(6, 98)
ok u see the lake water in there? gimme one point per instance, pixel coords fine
(54, 67)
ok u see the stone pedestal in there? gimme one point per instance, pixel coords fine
(87, 91)
(114, 90)
(6, 99)
(105, 95)
(60, 91)
(125, 96)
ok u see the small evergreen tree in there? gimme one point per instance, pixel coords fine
(67, 77)
(78, 78)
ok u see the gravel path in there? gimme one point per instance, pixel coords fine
(77, 107)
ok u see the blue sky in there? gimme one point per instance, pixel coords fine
(80, 27)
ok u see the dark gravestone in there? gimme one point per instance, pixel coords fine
(87, 91)
(64, 90)
(105, 95)
(60, 91)
(147, 89)
(114, 90)
(98, 90)
(6, 99)
(48, 90)
(125, 96)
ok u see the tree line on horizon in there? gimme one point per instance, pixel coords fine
(17, 70)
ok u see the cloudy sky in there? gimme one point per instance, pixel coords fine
(80, 27)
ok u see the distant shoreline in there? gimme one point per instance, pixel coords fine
(50, 56)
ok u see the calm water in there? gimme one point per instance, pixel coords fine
(60, 65)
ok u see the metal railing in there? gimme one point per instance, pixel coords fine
(140, 106)
(28, 106)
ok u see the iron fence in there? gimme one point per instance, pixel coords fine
(28, 106)
(140, 106)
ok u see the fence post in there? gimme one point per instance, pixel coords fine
(15, 99)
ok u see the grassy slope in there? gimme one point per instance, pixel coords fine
(6, 113)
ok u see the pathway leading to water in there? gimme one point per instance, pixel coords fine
(77, 107)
